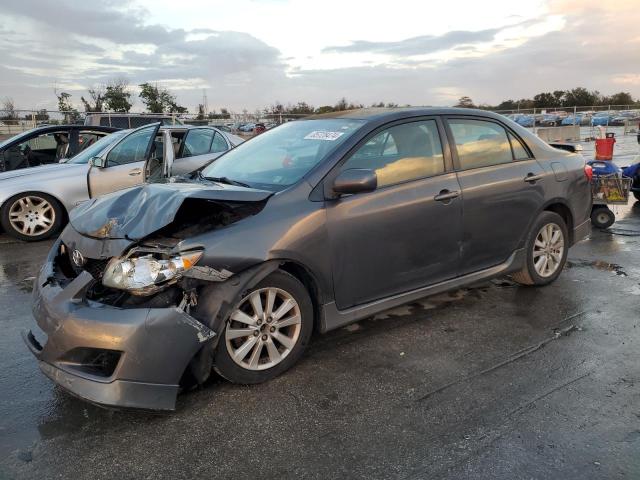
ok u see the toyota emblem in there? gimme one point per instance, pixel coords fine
(77, 258)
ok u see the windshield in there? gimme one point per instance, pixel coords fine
(16, 137)
(97, 148)
(282, 156)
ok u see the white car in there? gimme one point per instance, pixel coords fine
(34, 202)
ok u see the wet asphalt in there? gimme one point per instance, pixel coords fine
(493, 382)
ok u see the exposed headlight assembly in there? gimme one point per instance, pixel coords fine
(144, 273)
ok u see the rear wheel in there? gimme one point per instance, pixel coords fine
(602, 217)
(32, 216)
(267, 332)
(547, 247)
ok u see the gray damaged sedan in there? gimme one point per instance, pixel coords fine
(34, 202)
(309, 226)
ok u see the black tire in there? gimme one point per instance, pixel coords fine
(528, 275)
(637, 195)
(225, 366)
(602, 217)
(57, 224)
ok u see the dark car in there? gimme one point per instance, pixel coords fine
(48, 144)
(311, 225)
(259, 128)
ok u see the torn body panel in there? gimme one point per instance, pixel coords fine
(152, 346)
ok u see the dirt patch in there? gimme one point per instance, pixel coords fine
(598, 265)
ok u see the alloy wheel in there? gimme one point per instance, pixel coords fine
(548, 250)
(32, 215)
(263, 329)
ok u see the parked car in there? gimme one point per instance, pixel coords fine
(34, 202)
(259, 128)
(551, 120)
(577, 119)
(47, 144)
(130, 120)
(601, 119)
(309, 226)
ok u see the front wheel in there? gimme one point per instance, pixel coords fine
(267, 331)
(547, 247)
(32, 216)
(637, 195)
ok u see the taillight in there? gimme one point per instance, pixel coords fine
(588, 172)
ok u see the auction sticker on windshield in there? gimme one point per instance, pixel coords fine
(323, 135)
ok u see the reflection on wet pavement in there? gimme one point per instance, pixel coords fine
(476, 378)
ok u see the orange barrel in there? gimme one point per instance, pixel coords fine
(604, 147)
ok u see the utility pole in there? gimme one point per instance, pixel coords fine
(205, 103)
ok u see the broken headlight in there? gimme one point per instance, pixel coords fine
(139, 272)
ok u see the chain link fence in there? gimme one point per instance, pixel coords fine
(594, 116)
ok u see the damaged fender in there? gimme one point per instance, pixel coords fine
(216, 301)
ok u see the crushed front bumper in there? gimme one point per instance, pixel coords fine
(114, 357)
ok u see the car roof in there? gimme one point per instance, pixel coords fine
(377, 114)
(52, 128)
(181, 128)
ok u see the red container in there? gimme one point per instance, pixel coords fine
(604, 147)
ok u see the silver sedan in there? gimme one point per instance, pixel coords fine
(34, 202)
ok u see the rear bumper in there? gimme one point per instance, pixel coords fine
(149, 348)
(581, 231)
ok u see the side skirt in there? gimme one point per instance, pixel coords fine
(332, 318)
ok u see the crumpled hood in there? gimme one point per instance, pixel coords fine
(139, 211)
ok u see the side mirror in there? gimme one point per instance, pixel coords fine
(98, 162)
(355, 180)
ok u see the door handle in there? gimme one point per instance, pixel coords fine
(135, 171)
(531, 178)
(446, 195)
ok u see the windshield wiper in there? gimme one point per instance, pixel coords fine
(228, 181)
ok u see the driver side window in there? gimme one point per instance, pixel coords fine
(401, 153)
(132, 149)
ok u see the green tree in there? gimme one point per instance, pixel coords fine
(301, 108)
(507, 105)
(65, 106)
(117, 96)
(324, 109)
(545, 100)
(620, 98)
(580, 96)
(465, 102)
(159, 100)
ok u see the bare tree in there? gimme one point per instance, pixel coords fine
(95, 100)
(8, 109)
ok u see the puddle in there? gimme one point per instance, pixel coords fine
(598, 265)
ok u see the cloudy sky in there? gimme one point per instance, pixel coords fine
(250, 53)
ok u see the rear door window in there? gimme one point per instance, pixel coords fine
(198, 142)
(480, 143)
(519, 152)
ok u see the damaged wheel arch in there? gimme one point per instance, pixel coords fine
(216, 301)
